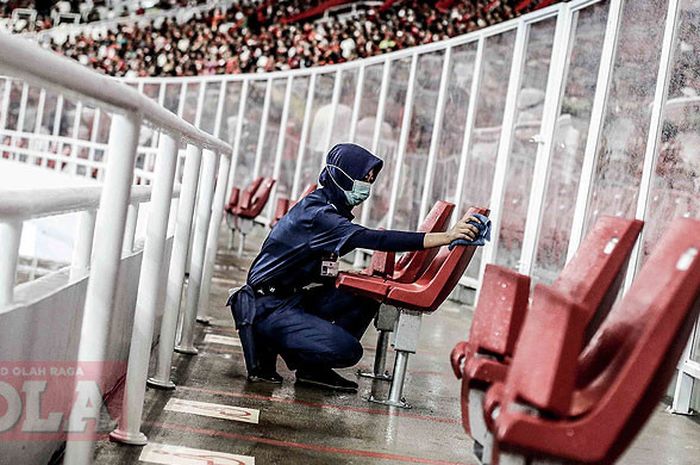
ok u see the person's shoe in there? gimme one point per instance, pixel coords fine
(326, 378)
(265, 376)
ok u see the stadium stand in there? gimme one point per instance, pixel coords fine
(245, 37)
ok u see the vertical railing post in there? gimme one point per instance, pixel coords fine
(129, 428)
(595, 127)
(56, 130)
(10, 235)
(132, 216)
(7, 92)
(176, 272)
(505, 142)
(212, 245)
(39, 118)
(104, 269)
(204, 205)
(20, 118)
(653, 142)
(73, 164)
(558, 71)
(82, 246)
(403, 140)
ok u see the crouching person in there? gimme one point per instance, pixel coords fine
(290, 306)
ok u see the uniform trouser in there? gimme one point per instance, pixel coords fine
(323, 330)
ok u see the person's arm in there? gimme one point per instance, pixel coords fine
(405, 241)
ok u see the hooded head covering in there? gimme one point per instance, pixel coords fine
(356, 161)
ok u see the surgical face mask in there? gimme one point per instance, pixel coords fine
(360, 189)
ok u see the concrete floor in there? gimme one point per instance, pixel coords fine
(299, 425)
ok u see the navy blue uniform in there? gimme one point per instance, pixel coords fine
(276, 312)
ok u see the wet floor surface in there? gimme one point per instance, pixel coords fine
(301, 425)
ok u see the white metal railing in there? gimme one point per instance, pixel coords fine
(114, 221)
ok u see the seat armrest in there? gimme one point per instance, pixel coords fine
(382, 264)
(458, 356)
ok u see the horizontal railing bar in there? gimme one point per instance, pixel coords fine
(27, 204)
(59, 157)
(68, 140)
(24, 59)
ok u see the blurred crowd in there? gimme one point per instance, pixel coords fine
(249, 36)
(48, 11)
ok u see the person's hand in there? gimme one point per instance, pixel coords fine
(464, 230)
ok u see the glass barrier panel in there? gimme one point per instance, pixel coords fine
(364, 131)
(172, 97)
(620, 156)
(189, 111)
(570, 142)
(390, 128)
(232, 101)
(460, 77)
(521, 160)
(151, 90)
(343, 112)
(274, 117)
(483, 148)
(316, 148)
(210, 106)
(249, 133)
(415, 161)
(295, 120)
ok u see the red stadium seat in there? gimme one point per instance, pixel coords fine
(409, 301)
(244, 208)
(561, 403)
(407, 269)
(254, 198)
(412, 265)
(284, 204)
(591, 280)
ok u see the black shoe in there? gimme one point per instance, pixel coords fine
(265, 376)
(326, 378)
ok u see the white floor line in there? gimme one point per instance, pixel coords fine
(206, 409)
(177, 455)
(224, 340)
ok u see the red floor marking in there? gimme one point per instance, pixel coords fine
(300, 445)
(321, 406)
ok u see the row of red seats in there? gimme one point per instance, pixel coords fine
(415, 285)
(573, 375)
(242, 210)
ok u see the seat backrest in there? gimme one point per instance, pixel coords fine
(413, 264)
(233, 199)
(625, 369)
(593, 277)
(500, 311)
(281, 209)
(439, 279)
(248, 194)
(262, 195)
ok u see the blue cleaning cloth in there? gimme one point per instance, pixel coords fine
(484, 232)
